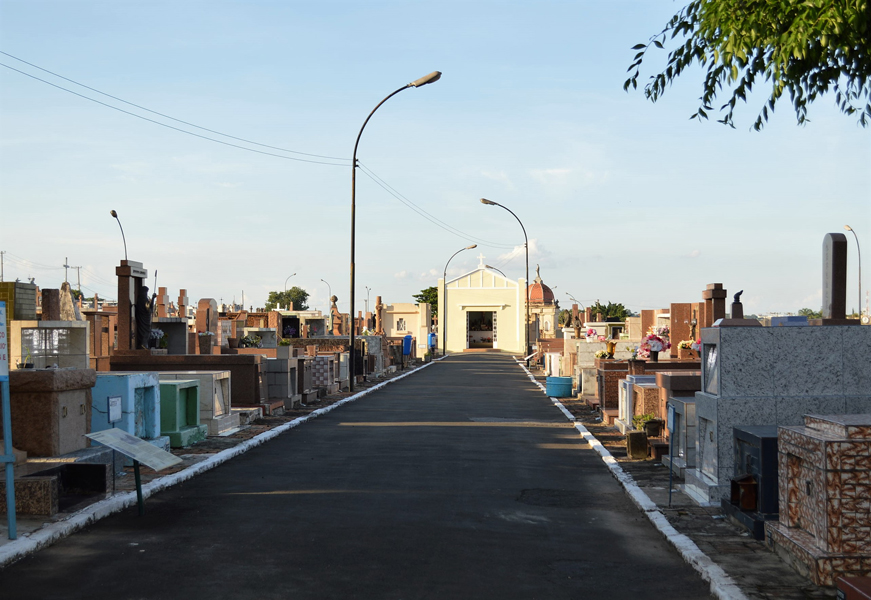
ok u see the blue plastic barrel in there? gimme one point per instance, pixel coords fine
(406, 345)
(433, 340)
(558, 387)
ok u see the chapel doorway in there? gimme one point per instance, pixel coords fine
(481, 329)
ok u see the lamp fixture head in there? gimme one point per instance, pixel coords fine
(485, 201)
(431, 78)
(473, 246)
(113, 213)
(848, 228)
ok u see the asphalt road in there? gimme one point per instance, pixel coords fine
(460, 481)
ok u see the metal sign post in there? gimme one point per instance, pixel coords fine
(8, 456)
(140, 451)
(670, 425)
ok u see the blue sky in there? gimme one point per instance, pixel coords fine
(623, 200)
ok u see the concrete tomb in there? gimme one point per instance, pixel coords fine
(214, 398)
(180, 412)
(772, 376)
(824, 477)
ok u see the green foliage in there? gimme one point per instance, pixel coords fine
(803, 48)
(810, 314)
(610, 310)
(639, 420)
(281, 300)
(430, 296)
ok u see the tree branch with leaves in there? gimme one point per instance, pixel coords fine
(801, 48)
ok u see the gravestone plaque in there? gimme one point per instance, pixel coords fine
(136, 448)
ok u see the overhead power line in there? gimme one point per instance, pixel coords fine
(344, 161)
(169, 117)
(432, 219)
(205, 137)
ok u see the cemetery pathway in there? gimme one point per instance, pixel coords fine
(460, 481)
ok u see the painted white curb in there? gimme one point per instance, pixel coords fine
(722, 586)
(51, 533)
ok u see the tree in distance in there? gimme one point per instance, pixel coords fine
(810, 314)
(429, 295)
(802, 48)
(611, 310)
(281, 300)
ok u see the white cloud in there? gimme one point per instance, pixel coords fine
(813, 301)
(500, 176)
(401, 275)
(693, 254)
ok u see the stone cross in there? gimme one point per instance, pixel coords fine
(481, 264)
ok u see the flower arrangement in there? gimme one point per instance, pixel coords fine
(205, 333)
(289, 331)
(634, 351)
(591, 332)
(601, 354)
(251, 341)
(660, 331)
(284, 342)
(652, 343)
(686, 344)
(696, 345)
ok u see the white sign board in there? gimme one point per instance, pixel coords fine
(670, 420)
(136, 448)
(114, 403)
(4, 344)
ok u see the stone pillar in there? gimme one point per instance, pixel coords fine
(51, 305)
(715, 304)
(162, 303)
(183, 303)
(379, 316)
(835, 282)
(131, 275)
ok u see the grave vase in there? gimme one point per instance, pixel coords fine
(205, 343)
(654, 356)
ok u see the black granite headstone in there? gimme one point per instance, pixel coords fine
(835, 276)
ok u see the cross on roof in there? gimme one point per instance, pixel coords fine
(481, 264)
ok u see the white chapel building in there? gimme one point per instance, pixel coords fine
(482, 310)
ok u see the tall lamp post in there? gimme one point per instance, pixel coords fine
(526, 247)
(443, 320)
(495, 269)
(431, 78)
(330, 304)
(368, 289)
(123, 239)
(848, 228)
(285, 290)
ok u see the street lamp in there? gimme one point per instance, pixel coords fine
(576, 300)
(285, 290)
(495, 269)
(124, 239)
(431, 78)
(330, 304)
(368, 289)
(444, 318)
(526, 246)
(848, 228)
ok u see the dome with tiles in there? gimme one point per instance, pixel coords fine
(539, 293)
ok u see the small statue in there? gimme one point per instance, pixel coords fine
(737, 307)
(144, 310)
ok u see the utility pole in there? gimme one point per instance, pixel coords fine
(2, 252)
(66, 269)
(78, 277)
